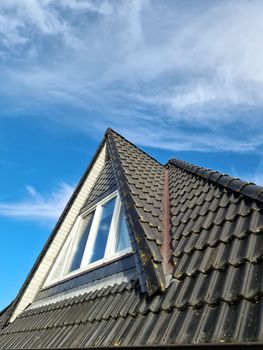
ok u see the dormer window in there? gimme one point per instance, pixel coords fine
(98, 236)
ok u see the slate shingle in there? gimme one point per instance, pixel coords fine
(105, 183)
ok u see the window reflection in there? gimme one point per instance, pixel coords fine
(103, 231)
(123, 240)
(80, 245)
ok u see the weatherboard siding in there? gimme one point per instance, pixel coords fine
(104, 185)
(52, 252)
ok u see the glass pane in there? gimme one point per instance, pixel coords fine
(80, 243)
(58, 271)
(103, 231)
(123, 239)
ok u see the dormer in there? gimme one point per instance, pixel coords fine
(110, 231)
(146, 255)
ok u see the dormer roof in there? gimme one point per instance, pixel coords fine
(197, 237)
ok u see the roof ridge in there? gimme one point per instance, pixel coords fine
(235, 184)
(111, 131)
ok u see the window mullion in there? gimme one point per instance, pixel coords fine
(110, 247)
(92, 237)
(90, 243)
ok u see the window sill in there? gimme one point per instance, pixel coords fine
(96, 265)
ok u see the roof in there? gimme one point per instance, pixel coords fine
(122, 316)
(4, 315)
(140, 180)
(214, 294)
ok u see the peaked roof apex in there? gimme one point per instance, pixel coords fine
(248, 189)
(144, 226)
(112, 132)
(235, 184)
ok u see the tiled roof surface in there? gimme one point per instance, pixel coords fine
(4, 314)
(141, 184)
(246, 188)
(105, 182)
(121, 315)
(215, 294)
(213, 227)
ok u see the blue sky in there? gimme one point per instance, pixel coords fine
(178, 78)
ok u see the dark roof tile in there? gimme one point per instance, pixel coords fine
(215, 294)
(260, 196)
(143, 178)
(251, 190)
(189, 304)
(4, 315)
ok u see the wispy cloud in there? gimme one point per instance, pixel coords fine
(254, 175)
(257, 179)
(190, 69)
(38, 207)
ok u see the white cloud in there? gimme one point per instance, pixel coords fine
(188, 141)
(38, 207)
(250, 173)
(31, 190)
(184, 65)
(257, 179)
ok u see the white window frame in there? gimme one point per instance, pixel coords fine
(109, 254)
